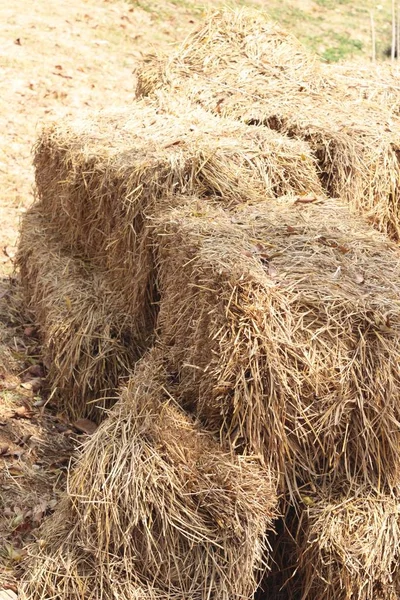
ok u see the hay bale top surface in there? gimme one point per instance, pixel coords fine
(314, 242)
(173, 146)
(376, 84)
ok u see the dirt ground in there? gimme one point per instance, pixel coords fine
(55, 58)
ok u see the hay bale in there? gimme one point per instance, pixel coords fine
(280, 326)
(349, 547)
(226, 68)
(242, 44)
(89, 341)
(98, 178)
(155, 504)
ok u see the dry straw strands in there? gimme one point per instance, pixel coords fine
(375, 84)
(156, 510)
(239, 66)
(88, 339)
(97, 176)
(287, 336)
(349, 548)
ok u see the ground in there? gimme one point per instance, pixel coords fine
(66, 57)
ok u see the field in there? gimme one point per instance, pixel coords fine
(58, 59)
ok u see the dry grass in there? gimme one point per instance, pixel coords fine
(89, 341)
(238, 65)
(350, 548)
(375, 84)
(155, 509)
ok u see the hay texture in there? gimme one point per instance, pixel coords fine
(350, 547)
(375, 84)
(89, 341)
(155, 509)
(98, 177)
(286, 336)
(238, 65)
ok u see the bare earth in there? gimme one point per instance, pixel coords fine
(55, 58)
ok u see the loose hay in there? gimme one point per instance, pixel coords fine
(280, 327)
(239, 65)
(89, 341)
(350, 548)
(155, 507)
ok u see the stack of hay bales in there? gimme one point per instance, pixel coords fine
(267, 319)
(239, 66)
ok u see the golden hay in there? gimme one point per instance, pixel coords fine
(227, 69)
(280, 326)
(350, 548)
(155, 504)
(98, 177)
(375, 84)
(89, 341)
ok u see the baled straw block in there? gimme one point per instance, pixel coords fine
(238, 65)
(155, 504)
(280, 326)
(99, 177)
(89, 341)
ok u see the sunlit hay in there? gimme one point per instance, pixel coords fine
(224, 68)
(349, 547)
(375, 84)
(89, 341)
(98, 178)
(280, 326)
(244, 45)
(154, 503)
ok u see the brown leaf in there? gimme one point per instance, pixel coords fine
(18, 42)
(176, 143)
(308, 199)
(30, 331)
(85, 426)
(36, 371)
(22, 412)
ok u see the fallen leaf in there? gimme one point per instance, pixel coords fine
(176, 143)
(30, 331)
(272, 271)
(36, 370)
(22, 412)
(10, 251)
(18, 42)
(39, 403)
(85, 426)
(358, 278)
(4, 450)
(307, 199)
